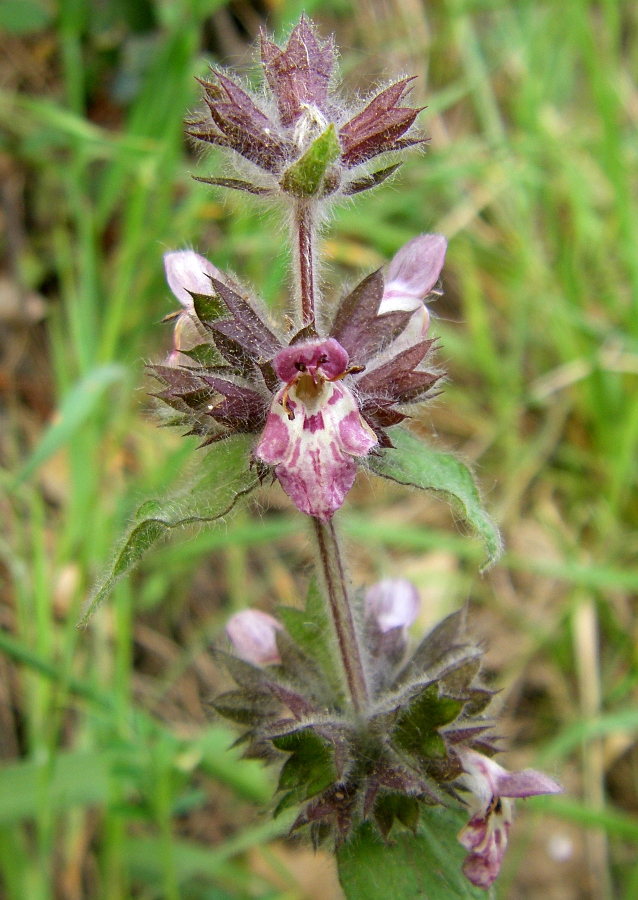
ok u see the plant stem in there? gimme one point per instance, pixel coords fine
(329, 551)
(341, 610)
(305, 231)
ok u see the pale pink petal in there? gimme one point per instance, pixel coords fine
(413, 273)
(355, 437)
(188, 271)
(393, 603)
(527, 783)
(474, 833)
(253, 634)
(481, 777)
(313, 452)
(481, 868)
(276, 437)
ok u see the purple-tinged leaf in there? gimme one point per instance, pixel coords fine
(382, 138)
(461, 734)
(243, 125)
(241, 404)
(358, 185)
(357, 326)
(299, 75)
(236, 184)
(397, 379)
(298, 705)
(378, 127)
(246, 328)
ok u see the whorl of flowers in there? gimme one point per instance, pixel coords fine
(300, 119)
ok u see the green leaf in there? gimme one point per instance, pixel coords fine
(304, 178)
(312, 632)
(75, 409)
(209, 309)
(310, 769)
(206, 355)
(427, 866)
(390, 806)
(416, 731)
(412, 462)
(223, 476)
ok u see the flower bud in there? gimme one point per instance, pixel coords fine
(411, 276)
(253, 634)
(187, 273)
(392, 603)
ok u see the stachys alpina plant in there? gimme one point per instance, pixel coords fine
(369, 738)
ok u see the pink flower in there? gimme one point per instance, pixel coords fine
(314, 430)
(187, 273)
(253, 634)
(492, 789)
(411, 275)
(392, 603)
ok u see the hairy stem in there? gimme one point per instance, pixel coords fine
(305, 232)
(341, 610)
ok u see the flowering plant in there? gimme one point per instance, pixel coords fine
(369, 738)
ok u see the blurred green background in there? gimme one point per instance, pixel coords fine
(114, 781)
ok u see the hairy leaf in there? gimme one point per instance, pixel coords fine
(370, 181)
(223, 476)
(396, 806)
(207, 355)
(425, 866)
(357, 326)
(311, 630)
(417, 728)
(247, 328)
(412, 462)
(235, 184)
(298, 76)
(310, 768)
(304, 178)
